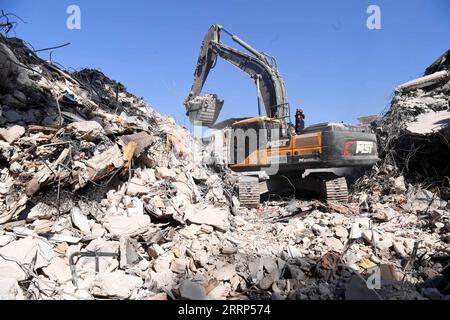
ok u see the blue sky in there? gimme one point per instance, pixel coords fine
(334, 67)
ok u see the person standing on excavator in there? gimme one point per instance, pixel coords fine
(299, 121)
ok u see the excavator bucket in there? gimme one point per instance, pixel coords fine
(204, 110)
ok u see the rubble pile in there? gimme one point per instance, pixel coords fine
(102, 197)
(412, 177)
(414, 138)
(85, 166)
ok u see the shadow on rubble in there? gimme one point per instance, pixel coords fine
(290, 189)
(305, 278)
(62, 199)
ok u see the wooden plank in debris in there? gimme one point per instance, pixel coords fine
(36, 128)
(105, 162)
(129, 151)
(142, 139)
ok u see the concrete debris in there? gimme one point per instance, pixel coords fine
(116, 284)
(208, 215)
(99, 170)
(424, 81)
(58, 270)
(87, 266)
(10, 289)
(42, 211)
(80, 220)
(127, 226)
(192, 291)
(20, 259)
(86, 130)
(12, 133)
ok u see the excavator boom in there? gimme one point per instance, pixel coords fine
(204, 110)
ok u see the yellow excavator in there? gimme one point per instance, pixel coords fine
(265, 148)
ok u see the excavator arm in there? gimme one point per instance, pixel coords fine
(204, 110)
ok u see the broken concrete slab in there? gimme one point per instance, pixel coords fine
(12, 133)
(115, 284)
(192, 291)
(179, 265)
(87, 265)
(128, 252)
(10, 290)
(341, 232)
(86, 130)
(220, 292)
(163, 280)
(58, 270)
(424, 81)
(6, 238)
(137, 186)
(80, 220)
(334, 244)
(225, 273)
(99, 166)
(127, 226)
(134, 206)
(155, 250)
(42, 211)
(20, 258)
(164, 173)
(209, 215)
(142, 140)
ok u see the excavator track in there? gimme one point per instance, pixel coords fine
(336, 190)
(249, 193)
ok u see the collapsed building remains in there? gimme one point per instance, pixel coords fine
(103, 197)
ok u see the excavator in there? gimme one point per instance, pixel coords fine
(265, 149)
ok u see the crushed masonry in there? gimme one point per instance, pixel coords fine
(87, 168)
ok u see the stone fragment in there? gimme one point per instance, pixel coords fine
(341, 232)
(86, 130)
(179, 265)
(116, 284)
(127, 226)
(25, 252)
(10, 290)
(192, 291)
(225, 273)
(80, 220)
(164, 173)
(209, 215)
(42, 211)
(334, 244)
(136, 187)
(58, 270)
